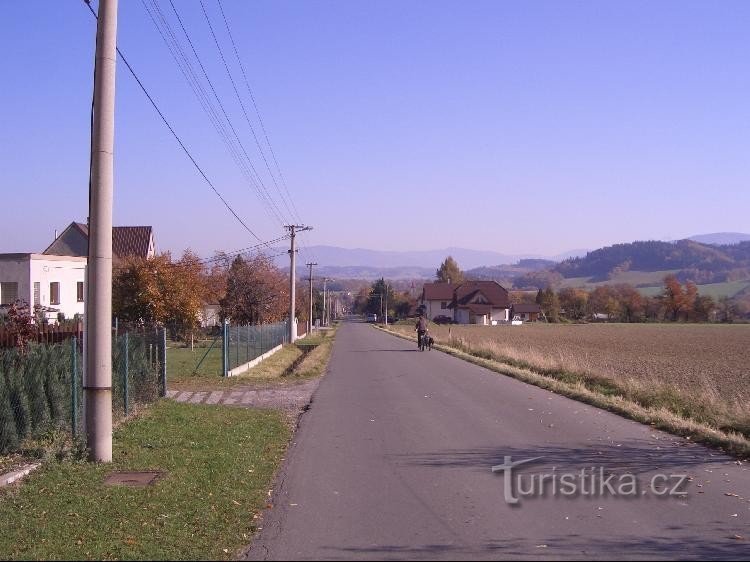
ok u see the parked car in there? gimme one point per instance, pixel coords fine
(372, 317)
(442, 319)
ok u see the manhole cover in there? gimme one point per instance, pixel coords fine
(133, 479)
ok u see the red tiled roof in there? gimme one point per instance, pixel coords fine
(494, 293)
(438, 291)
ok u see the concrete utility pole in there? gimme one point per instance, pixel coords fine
(386, 304)
(310, 265)
(293, 229)
(325, 311)
(98, 384)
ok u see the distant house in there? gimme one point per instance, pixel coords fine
(526, 312)
(481, 302)
(54, 284)
(127, 241)
(472, 302)
(436, 298)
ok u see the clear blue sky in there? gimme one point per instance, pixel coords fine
(511, 126)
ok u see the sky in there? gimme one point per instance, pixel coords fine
(520, 127)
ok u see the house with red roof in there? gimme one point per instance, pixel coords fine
(472, 302)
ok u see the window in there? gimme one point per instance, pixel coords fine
(54, 293)
(443, 305)
(8, 293)
(37, 293)
(79, 291)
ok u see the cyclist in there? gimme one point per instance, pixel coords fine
(421, 329)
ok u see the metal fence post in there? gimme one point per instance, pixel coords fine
(239, 327)
(74, 385)
(164, 362)
(224, 349)
(125, 373)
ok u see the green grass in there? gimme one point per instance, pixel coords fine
(182, 361)
(219, 464)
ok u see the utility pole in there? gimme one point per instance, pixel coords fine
(293, 229)
(98, 384)
(310, 265)
(325, 310)
(386, 303)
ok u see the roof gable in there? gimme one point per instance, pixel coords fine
(126, 241)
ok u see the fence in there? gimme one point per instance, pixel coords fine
(44, 334)
(42, 389)
(242, 344)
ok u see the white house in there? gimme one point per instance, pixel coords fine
(436, 298)
(472, 302)
(55, 283)
(481, 302)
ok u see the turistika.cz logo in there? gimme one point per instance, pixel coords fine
(586, 482)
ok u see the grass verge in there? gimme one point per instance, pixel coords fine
(662, 409)
(219, 463)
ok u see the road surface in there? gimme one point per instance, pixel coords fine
(394, 461)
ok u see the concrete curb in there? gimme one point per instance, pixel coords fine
(10, 477)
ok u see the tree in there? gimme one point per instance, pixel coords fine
(158, 291)
(549, 303)
(632, 303)
(673, 297)
(257, 292)
(573, 302)
(704, 308)
(449, 272)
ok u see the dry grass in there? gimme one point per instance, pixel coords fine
(699, 374)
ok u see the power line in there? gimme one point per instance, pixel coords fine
(176, 136)
(257, 112)
(186, 68)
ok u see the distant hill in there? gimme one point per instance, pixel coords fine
(721, 238)
(701, 263)
(360, 263)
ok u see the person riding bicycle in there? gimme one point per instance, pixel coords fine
(421, 329)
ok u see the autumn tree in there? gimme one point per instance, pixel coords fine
(159, 291)
(673, 297)
(449, 272)
(257, 292)
(549, 303)
(573, 302)
(631, 302)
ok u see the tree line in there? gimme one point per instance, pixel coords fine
(174, 293)
(677, 302)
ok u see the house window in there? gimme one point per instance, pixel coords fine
(443, 305)
(37, 293)
(8, 293)
(79, 291)
(54, 293)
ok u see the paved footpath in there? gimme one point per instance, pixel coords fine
(290, 397)
(393, 461)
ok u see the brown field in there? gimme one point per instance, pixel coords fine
(699, 371)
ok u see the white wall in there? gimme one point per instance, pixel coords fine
(66, 270)
(26, 269)
(500, 314)
(433, 309)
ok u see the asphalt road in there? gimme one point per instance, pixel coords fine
(393, 461)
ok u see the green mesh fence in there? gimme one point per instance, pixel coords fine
(245, 343)
(42, 388)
